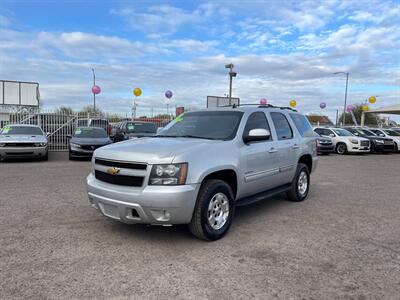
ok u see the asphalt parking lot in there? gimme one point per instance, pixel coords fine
(343, 242)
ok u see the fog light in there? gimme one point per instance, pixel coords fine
(161, 215)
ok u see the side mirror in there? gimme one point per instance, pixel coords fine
(381, 134)
(68, 136)
(259, 134)
(356, 134)
(331, 135)
(48, 134)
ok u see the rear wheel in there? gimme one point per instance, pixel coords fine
(341, 148)
(300, 184)
(214, 210)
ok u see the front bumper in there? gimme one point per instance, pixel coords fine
(325, 148)
(76, 152)
(357, 148)
(22, 152)
(159, 205)
(384, 147)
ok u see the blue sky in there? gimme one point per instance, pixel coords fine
(282, 50)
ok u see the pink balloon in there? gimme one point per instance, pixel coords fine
(263, 101)
(349, 108)
(96, 89)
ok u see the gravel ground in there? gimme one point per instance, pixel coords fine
(343, 242)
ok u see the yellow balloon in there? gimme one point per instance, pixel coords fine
(292, 103)
(372, 99)
(137, 92)
(365, 108)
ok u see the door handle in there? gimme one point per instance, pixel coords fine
(272, 150)
(295, 146)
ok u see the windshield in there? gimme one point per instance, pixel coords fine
(23, 130)
(391, 133)
(133, 127)
(89, 132)
(221, 125)
(342, 132)
(366, 132)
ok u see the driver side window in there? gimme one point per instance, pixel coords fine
(256, 120)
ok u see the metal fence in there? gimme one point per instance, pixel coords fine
(59, 126)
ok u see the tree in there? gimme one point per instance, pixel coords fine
(370, 119)
(65, 110)
(89, 109)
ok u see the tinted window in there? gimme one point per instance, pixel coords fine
(391, 133)
(256, 120)
(205, 124)
(133, 127)
(23, 130)
(323, 131)
(342, 132)
(282, 127)
(99, 123)
(302, 125)
(89, 132)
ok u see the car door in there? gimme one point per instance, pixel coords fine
(260, 159)
(287, 145)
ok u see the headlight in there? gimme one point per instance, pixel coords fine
(172, 174)
(380, 141)
(354, 141)
(75, 145)
(40, 144)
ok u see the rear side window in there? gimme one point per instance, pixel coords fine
(255, 121)
(282, 127)
(302, 125)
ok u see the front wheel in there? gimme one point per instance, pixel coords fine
(300, 185)
(341, 149)
(214, 210)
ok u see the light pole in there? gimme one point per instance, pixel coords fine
(94, 95)
(231, 75)
(345, 95)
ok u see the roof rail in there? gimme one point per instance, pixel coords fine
(259, 106)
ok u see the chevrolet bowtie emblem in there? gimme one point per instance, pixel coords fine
(113, 171)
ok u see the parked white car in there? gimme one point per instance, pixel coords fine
(393, 134)
(345, 141)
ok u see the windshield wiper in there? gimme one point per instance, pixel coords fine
(188, 136)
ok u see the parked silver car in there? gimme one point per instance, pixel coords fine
(23, 141)
(202, 165)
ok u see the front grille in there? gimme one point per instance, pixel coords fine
(120, 164)
(19, 153)
(364, 143)
(119, 179)
(19, 145)
(88, 147)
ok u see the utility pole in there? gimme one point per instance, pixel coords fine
(231, 75)
(94, 95)
(345, 95)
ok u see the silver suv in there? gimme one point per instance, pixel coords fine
(204, 164)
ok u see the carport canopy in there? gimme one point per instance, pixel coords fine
(391, 110)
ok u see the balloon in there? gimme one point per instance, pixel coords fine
(168, 94)
(292, 103)
(372, 99)
(349, 108)
(365, 108)
(96, 89)
(322, 105)
(137, 92)
(263, 101)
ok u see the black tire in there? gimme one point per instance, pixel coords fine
(372, 149)
(70, 157)
(199, 225)
(341, 148)
(294, 194)
(46, 157)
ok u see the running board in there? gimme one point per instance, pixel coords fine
(263, 195)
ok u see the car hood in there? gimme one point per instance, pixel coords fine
(90, 141)
(19, 138)
(326, 139)
(153, 150)
(374, 137)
